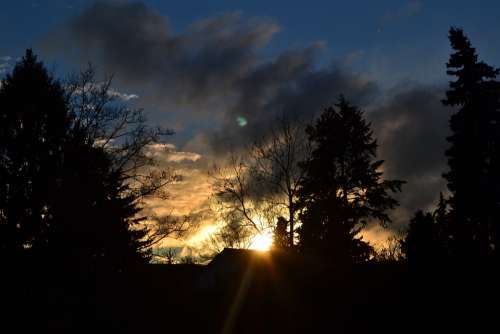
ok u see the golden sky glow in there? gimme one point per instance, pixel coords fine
(192, 194)
(262, 241)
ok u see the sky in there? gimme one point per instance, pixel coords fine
(201, 67)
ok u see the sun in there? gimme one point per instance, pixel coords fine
(262, 241)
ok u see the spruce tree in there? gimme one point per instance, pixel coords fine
(427, 240)
(474, 153)
(62, 198)
(34, 123)
(342, 189)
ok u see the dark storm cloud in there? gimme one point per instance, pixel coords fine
(214, 71)
(136, 43)
(213, 68)
(291, 85)
(411, 127)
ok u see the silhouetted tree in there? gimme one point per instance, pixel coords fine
(427, 239)
(165, 255)
(94, 216)
(236, 199)
(280, 235)
(234, 233)
(391, 250)
(130, 143)
(342, 188)
(34, 124)
(261, 183)
(421, 245)
(73, 167)
(276, 168)
(474, 153)
(442, 218)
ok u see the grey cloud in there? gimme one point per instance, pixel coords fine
(411, 127)
(212, 69)
(212, 73)
(137, 44)
(5, 64)
(290, 84)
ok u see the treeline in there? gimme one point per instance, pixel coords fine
(465, 225)
(327, 179)
(74, 171)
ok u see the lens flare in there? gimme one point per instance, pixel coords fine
(242, 121)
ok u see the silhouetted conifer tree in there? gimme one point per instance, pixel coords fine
(34, 125)
(94, 216)
(424, 243)
(474, 153)
(343, 187)
(60, 195)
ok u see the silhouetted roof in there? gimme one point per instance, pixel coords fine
(233, 260)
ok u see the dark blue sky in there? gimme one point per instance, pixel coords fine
(390, 39)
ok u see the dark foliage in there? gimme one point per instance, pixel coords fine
(427, 239)
(342, 188)
(62, 199)
(280, 235)
(33, 130)
(474, 153)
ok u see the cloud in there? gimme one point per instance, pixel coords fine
(291, 85)
(213, 71)
(217, 85)
(411, 127)
(137, 44)
(123, 96)
(5, 64)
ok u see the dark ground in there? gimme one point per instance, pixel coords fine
(270, 296)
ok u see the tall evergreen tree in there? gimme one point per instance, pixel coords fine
(474, 153)
(94, 216)
(61, 194)
(342, 188)
(420, 244)
(34, 124)
(427, 240)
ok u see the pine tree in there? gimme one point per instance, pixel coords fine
(98, 223)
(474, 154)
(420, 243)
(342, 188)
(33, 127)
(61, 196)
(427, 241)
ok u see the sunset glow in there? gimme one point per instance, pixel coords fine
(262, 241)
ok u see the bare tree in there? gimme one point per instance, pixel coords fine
(236, 195)
(232, 234)
(261, 184)
(123, 132)
(391, 250)
(276, 166)
(165, 255)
